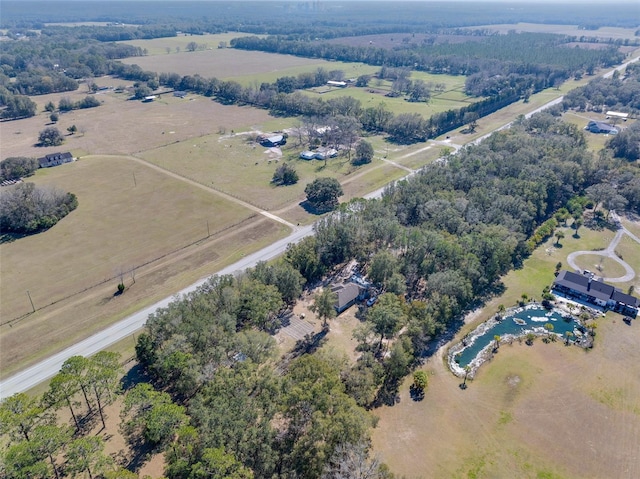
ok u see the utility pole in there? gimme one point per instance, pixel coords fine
(31, 301)
(208, 232)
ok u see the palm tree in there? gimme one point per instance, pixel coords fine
(501, 310)
(568, 335)
(549, 328)
(559, 235)
(577, 224)
(496, 340)
(467, 369)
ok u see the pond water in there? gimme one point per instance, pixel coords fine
(519, 323)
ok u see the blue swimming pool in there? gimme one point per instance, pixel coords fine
(518, 323)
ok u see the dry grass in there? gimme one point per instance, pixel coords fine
(129, 216)
(602, 266)
(122, 126)
(572, 30)
(51, 329)
(541, 411)
(110, 231)
(247, 67)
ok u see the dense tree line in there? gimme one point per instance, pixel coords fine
(626, 144)
(620, 92)
(517, 54)
(54, 60)
(26, 208)
(307, 21)
(15, 106)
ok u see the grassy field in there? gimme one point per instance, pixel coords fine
(130, 217)
(239, 166)
(246, 67)
(396, 105)
(177, 44)
(121, 126)
(373, 95)
(106, 233)
(572, 30)
(546, 411)
(605, 267)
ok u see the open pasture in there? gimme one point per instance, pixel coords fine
(237, 165)
(375, 95)
(245, 67)
(130, 217)
(501, 425)
(121, 126)
(614, 33)
(177, 44)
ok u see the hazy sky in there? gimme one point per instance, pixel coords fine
(423, 1)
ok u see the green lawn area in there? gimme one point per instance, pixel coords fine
(159, 46)
(374, 94)
(241, 167)
(596, 141)
(351, 70)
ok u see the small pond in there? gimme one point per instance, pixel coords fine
(516, 323)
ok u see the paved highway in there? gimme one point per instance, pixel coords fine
(47, 368)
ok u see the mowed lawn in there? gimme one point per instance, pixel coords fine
(128, 215)
(546, 411)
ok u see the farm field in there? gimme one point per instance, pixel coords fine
(499, 426)
(121, 126)
(602, 32)
(246, 67)
(130, 218)
(177, 44)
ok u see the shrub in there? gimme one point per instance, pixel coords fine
(285, 175)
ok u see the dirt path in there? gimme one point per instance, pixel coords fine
(610, 253)
(222, 194)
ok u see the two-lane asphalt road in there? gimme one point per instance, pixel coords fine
(47, 368)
